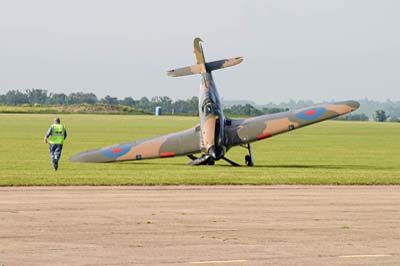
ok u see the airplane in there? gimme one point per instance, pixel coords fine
(216, 134)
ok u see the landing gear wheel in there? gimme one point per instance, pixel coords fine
(248, 160)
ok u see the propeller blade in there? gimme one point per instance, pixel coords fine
(229, 161)
(201, 160)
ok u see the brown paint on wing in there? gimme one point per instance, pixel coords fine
(279, 125)
(148, 149)
(339, 109)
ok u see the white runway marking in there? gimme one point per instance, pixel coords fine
(365, 256)
(216, 261)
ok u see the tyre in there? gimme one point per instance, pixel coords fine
(248, 160)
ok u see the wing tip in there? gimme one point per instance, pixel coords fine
(354, 105)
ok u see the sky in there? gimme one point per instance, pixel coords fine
(300, 50)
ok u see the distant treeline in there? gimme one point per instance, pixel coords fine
(39, 97)
(42, 97)
(369, 110)
(250, 110)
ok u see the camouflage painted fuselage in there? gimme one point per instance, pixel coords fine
(215, 134)
(211, 119)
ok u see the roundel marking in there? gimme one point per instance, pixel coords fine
(116, 151)
(311, 114)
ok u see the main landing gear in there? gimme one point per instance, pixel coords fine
(249, 159)
(207, 160)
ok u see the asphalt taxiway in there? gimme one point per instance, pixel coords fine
(200, 225)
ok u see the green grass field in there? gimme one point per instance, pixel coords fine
(331, 152)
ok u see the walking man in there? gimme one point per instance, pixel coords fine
(55, 136)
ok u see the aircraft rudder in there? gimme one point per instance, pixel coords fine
(198, 50)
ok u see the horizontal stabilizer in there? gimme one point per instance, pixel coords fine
(185, 71)
(198, 68)
(224, 63)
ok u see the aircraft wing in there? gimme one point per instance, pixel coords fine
(181, 143)
(264, 126)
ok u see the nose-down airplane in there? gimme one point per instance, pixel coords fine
(215, 134)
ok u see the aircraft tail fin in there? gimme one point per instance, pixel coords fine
(198, 51)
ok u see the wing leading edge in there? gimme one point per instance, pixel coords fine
(181, 143)
(261, 127)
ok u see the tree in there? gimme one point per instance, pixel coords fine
(2, 99)
(359, 117)
(143, 103)
(37, 96)
(128, 101)
(90, 98)
(110, 100)
(239, 109)
(15, 97)
(355, 117)
(394, 119)
(81, 97)
(273, 110)
(58, 99)
(194, 105)
(163, 101)
(189, 106)
(380, 116)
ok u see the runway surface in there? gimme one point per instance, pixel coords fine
(200, 225)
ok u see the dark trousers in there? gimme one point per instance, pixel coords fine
(55, 154)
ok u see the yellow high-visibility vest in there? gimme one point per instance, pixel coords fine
(57, 134)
